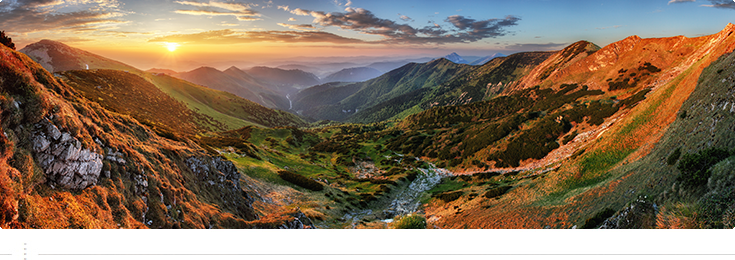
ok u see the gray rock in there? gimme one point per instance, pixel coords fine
(52, 130)
(63, 160)
(40, 144)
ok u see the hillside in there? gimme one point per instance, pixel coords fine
(483, 60)
(281, 78)
(69, 163)
(601, 170)
(386, 66)
(214, 110)
(636, 134)
(353, 75)
(236, 82)
(129, 94)
(366, 94)
(480, 83)
(55, 57)
(225, 110)
(454, 57)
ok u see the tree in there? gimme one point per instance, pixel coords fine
(7, 41)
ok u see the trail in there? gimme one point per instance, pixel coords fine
(290, 104)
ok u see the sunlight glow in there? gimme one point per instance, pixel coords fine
(171, 46)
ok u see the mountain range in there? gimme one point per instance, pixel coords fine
(635, 134)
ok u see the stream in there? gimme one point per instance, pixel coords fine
(408, 200)
(290, 104)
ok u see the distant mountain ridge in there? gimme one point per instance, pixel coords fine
(454, 57)
(485, 59)
(363, 95)
(281, 78)
(356, 74)
(225, 114)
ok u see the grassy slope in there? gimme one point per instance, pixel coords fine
(400, 81)
(116, 201)
(129, 94)
(461, 89)
(220, 110)
(226, 110)
(610, 172)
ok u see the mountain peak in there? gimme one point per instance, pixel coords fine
(729, 28)
(233, 68)
(56, 56)
(205, 68)
(454, 57)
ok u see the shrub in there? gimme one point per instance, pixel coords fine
(496, 192)
(486, 175)
(410, 222)
(598, 218)
(300, 181)
(728, 219)
(448, 196)
(695, 167)
(569, 137)
(713, 206)
(674, 156)
(7, 41)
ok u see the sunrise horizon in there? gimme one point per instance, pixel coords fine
(252, 33)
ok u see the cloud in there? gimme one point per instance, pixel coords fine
(42, 15)
(300, 27)
(299, 11)
(721, 4)
(291, 19)
(475, 30)
(284, 7)
(242, 12)
(680, 1)
(228, 36)
(364, 21)
(339, 3)
(73, 39)
(405, 18)
(227, 24)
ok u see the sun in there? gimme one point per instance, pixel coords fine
(171, 46)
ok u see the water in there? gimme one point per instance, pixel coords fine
(408, 200)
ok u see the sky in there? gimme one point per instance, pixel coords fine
(149, 34)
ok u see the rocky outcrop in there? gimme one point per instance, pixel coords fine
(221, 177)
(300, 221)
(641, 213)
(61, 156)
(215, 171)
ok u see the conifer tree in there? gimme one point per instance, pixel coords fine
(7, 41)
